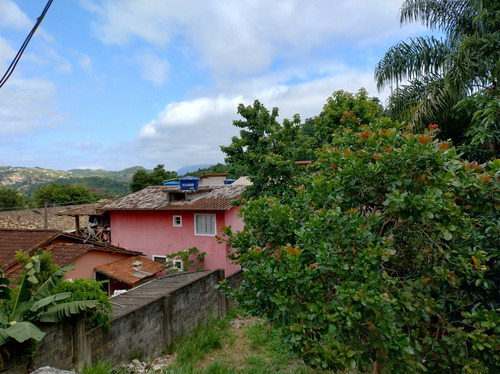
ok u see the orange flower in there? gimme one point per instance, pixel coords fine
(425, 138)
(377, 156)
(433, 127)
(443, 146)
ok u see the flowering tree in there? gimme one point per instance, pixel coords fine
(387, 256)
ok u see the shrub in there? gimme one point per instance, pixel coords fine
(388, 254)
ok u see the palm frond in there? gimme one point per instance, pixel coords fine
(56, 278)
(420, 56)
(22, 331)
(451, 16)
(59, 311)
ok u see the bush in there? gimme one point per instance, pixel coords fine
(388, 254)
(89, 289)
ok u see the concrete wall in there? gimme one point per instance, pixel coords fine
(145, 321)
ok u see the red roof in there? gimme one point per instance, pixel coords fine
(66, 248)
(12, 240)
(131, 270)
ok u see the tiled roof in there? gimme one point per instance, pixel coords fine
(66, 247)
(39, 219)
(84, 210)
(156, 198)
(27, 240)
(125, 271)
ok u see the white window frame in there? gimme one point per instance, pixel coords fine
(178, 265)
(198, 231)
(175, 223)
(160, 256)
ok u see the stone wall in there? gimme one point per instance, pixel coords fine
(145, 321)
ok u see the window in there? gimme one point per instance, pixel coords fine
(204, 224)
(160, 259)
(177, 221)
(178, 265)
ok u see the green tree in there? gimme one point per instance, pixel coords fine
(11, 198)
(387, 254)
(63, 194)
(345, 109)
(142, 178)
(444, 72)
(265, 151)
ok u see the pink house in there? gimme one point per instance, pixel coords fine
(162, 220)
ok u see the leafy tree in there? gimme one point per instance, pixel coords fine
(265, 150)
(142, 178)
(63, 194)
(442, 73)
(11, 198)
(387, 256)
(345, 109)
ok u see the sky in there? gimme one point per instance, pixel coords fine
(110, 84)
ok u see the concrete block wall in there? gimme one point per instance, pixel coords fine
(145, 321)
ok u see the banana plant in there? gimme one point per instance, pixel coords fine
(33, 304)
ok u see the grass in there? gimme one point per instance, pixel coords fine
(104, 366)
(220, 347)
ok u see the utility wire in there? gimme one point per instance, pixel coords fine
(13, 64)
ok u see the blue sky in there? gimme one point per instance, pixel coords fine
(109, 84)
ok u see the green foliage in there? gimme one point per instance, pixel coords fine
(142, 178)
(34, 302)
(204, 339)
(387, 254)
(265, 151)
(63, 194)
(103, 366)
(11, 198)
(191, 258)
(90, 289)
(444, 72)
(345, 109)
(47, 266)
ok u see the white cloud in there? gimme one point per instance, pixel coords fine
(191, 132)
(247, 36)
(154, 68)
(27, 106)
(86, 63)
(12, 16)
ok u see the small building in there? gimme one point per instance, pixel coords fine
(86, 254)
(161, 220)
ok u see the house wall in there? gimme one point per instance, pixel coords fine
(153, 233)
(85, 264)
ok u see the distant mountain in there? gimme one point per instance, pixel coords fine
(28, 179)
(189, 169)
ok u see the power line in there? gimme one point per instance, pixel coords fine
(13, 64)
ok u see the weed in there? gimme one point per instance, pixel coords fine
(103, 366)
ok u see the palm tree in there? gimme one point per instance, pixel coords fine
(443, 72)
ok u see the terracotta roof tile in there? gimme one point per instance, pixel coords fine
(125, 271)
(156, 198)
(12, 240)
(66, 247)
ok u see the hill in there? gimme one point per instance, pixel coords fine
(26, 180)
